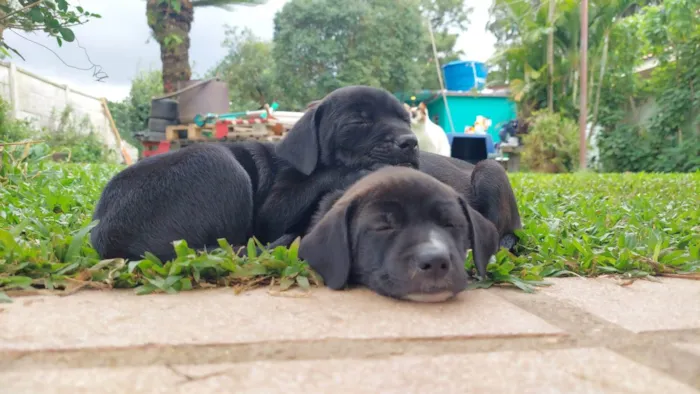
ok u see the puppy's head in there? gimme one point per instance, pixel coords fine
(354, 127)
(403, 234)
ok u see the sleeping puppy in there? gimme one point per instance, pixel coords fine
(401, 233)
(237, 190)
(485, 186)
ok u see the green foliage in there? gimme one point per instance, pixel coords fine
(76, 137)
(591, 224)
(12, 130)
(45, 221)
(131, 114)
(649, 123)
(248, 70)
(584, 224)
(448, 18)
(325, 44)
(664, 136)
(297, 67)
(552, 143)
(54, 18)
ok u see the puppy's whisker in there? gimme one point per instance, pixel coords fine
(414, 272)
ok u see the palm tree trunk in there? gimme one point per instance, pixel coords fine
(171, 28)
(550, 56)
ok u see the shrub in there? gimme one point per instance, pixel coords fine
(551, 144)
(12, 130)
(631, 148)
(77, 138)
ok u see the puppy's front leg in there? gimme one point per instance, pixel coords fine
(325, 204)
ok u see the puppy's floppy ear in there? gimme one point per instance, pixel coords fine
(300, 147)
(484, 237)
(328, 248)
(407, 107)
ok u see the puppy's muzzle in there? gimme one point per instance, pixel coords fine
(407, 150)
(432, 267)
(433, 261)
(407, 142)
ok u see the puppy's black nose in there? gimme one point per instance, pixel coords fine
(433, 261)
(407, 142)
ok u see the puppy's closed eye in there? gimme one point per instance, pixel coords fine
(446, 216)
(389, 217)
(384, 222)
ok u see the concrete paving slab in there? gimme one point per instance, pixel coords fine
(92, 319)
(693, 348)
(588, 370)
(670, 304)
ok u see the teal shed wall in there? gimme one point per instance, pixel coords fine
(464, 110)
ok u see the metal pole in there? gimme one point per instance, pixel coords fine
(583, 115)
(442, 84)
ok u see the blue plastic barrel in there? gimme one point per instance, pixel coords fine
(464, 75)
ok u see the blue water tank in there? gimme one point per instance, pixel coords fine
(464, 75)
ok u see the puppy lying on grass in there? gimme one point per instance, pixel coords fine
(401, 233)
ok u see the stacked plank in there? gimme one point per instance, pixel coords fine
(270, 128)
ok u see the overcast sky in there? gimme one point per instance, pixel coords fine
(121, 44)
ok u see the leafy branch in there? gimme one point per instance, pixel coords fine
(55, 18)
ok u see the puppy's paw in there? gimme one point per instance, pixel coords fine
(509, 241)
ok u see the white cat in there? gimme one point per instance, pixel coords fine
(431, 137)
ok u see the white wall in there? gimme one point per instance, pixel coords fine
(35, 98)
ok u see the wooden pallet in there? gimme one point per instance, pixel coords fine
(194, 133)
(191, 132)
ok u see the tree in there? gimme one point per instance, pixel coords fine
(448, 19)
(55, 18)
(649, 123)
(131, 114)
(536, 35)
(170, 22)
(248, 70)
(321, 45)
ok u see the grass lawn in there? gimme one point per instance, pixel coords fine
(635, 225)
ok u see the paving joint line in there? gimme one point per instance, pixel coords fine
(582, 329)
(654, 349)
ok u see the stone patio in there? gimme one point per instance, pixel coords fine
(577, 336)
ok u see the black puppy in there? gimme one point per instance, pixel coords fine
(238, 190)
(400, 232)
(485, 186)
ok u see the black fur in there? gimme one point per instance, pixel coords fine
(239, 190)
(486, 188)
(401, 233)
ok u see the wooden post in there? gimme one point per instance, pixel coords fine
(583, 79)
(113, 126)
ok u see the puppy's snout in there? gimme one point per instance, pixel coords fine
(433, 261)
(407, 142)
